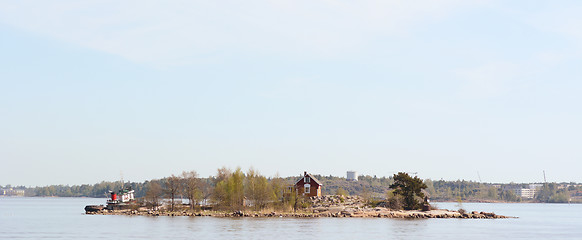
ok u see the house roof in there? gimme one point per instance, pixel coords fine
(311, 176)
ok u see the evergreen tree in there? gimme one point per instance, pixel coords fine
(410, 188)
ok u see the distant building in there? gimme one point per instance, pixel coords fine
(352, 176)
(308, 186)
(525, 192)
(12, 192)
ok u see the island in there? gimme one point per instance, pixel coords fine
(236, 194)
(326, 206)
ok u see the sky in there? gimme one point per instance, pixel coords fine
(95, 91)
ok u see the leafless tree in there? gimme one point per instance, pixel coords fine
(173, 185)
(192, 188)
(153, 195)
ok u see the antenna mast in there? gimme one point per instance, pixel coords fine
(122, 183)
(545, 177)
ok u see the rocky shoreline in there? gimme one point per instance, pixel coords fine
(378, 212)
(326, 206)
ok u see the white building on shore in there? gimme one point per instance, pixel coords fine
(12, 192)
(525, 192)
(528, 192)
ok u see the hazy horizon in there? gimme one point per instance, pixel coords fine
(447, 89)
(275, 175)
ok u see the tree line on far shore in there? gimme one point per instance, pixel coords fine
(234, 188)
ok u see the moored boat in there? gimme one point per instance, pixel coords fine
(120, 200)
(94, 208)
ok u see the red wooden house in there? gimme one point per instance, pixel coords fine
(308, 186)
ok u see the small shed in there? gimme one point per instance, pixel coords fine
(308, 186)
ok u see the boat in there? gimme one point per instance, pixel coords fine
(94, 208)
(120, 200)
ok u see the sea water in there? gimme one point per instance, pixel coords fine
(64, 218)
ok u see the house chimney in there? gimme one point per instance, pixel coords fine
(304, 173)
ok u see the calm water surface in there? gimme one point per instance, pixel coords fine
(64, 218)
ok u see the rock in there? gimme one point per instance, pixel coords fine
(425, 207)
(94, 208)
(346, 213)
(489, 215)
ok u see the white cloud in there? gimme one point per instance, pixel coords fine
(181, 32)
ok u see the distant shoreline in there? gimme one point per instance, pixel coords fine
(499, 201)
(434, 201)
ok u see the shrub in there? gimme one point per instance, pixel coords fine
(462, 211)
(394, 201)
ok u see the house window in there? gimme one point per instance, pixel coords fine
(307, 179)
(307, 188)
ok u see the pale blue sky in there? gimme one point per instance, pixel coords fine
(443, 88)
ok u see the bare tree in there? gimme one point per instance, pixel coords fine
(153, 195)
(173, 185)
(192, 188)
(222, 174)
(206, 189)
